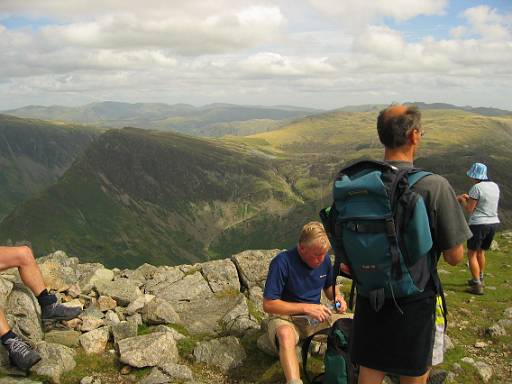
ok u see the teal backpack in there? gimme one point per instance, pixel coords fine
(379, 227)
(338, 369)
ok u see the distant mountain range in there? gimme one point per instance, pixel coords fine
(485, 111)
(137, 196)
(209, 120)
(34, 154)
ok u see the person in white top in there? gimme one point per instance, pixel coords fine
(482, 203)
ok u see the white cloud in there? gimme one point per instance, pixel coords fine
(248, 51)
(489, 24)
(355, 14)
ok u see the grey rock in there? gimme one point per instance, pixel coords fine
(111, 318)
(175, 334)
(253, 266)
(95, 341)
(56, 274)
(508, 313)
(106, 303)
(91, 323)
(256, 298)
(188, 288)
(225, 353)
(505, 323)
(163, 277)
(92, 275)
(61, 258)
(55, 360)
(124, 330)
(203, 314)
(136, 319)
(448, 343)
(147, 270)
(18, 380)
(6, 287)
(87, 380)
(159, 311)
(148, 350)
(124, 291)
(495, 246)
(92, 312)
(156, 376)
(23, 311)
(69, 338)
(177, 371)
(265, 345)
(496, 330)
(484, 370)
(139, 303)
(238, 320)
(221, 275)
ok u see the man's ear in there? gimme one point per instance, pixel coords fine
(414, 137)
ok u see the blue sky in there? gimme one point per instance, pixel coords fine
(318, 53)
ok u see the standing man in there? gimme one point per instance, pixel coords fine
(482, 203)
(294, 285)
(20, 353)
(400, 337)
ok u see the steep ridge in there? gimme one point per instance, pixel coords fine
(33, 154)
(140, 195)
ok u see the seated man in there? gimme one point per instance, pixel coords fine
(294, 285)
(20, 352)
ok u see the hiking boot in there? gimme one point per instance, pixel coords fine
(476, 289)
(20, 354)
(57, 311)
(471, 282)
(437, 377)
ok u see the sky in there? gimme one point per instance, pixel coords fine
(312, 53)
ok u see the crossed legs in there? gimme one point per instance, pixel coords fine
(23, 259)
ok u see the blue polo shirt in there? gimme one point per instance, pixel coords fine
(291, 279)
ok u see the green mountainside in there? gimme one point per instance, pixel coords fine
(209, 120)
(34, 154)
(146, 196)
(317, 147)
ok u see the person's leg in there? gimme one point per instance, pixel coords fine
(4, 325)
(23, 259)
(473, 264)
(480, 256)
(370, 376)
(415, 379)
(287, 338)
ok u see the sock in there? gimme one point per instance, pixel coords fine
(45, 298)
(9, 335)
(477, 281)
(481, 275)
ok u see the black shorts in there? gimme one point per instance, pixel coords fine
(392, 341)
(482, 236)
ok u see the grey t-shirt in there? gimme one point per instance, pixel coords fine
(449, 227)
(486, 211)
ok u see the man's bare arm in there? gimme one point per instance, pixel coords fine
(454, 256)
(281, 307)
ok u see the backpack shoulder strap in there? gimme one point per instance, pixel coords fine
(416, 175)
(361, 165)
(305, 349)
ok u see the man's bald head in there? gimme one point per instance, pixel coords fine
(395, 123)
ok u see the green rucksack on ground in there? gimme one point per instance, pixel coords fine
(337, 365)
(379, 226)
